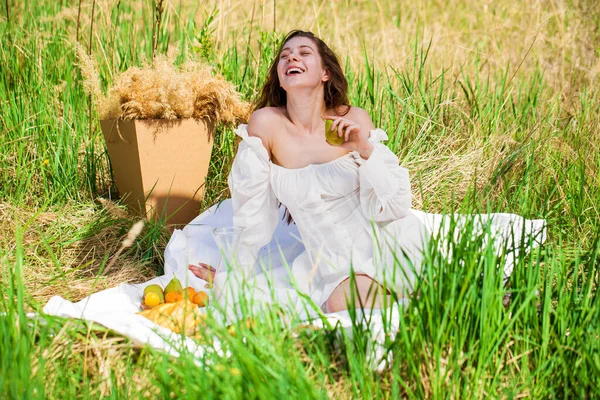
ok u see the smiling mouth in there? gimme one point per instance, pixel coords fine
(294, 71)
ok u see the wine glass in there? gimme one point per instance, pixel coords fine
(227, 239)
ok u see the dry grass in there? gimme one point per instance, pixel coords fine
(103, 356)
(73, 270)
(457, 167)
(162, 90)
(497, 34)
(558, 36)
(468, 39)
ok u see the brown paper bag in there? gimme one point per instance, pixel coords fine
(160, 166)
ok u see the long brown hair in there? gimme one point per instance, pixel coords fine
(336, 88)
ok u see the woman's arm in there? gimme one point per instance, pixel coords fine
(385, 191)
(255, 207)
(257, 127)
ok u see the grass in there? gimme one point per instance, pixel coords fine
(492, 107)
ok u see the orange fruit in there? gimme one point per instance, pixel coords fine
(201, 299)
(172, 297)
(152, 299)
(191, 292)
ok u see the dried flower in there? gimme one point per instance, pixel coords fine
(133, 233)
(164, 91)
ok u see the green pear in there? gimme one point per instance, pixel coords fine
(174, 286)
(155, 289)
(332, 137)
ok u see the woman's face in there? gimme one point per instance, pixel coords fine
(300, 64)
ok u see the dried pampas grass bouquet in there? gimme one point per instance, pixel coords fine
(162, 90)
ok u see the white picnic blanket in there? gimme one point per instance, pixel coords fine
(116, 308)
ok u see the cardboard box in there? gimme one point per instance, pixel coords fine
(160, 166)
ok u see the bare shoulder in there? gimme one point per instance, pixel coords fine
(260, 120)
(262, 123)
(361, 116)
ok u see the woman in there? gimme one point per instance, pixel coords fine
(351, 203)
(332, 192)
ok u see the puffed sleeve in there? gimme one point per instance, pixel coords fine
(384, 185)
(255, 207)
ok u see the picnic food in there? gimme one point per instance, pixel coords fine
(332, 137)
(152, 300)
(181, 317)
(153, 295)
(191, 292)
(200, 298)
(174, 286)
(152, 288)
(173, 297)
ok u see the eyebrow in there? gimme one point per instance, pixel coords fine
(302, 45)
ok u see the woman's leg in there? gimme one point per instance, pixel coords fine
(367, 294)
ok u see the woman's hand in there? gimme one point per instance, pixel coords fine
(204, 271)
(355, 138)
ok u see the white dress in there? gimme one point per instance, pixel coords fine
(333, 205)
(349, 214)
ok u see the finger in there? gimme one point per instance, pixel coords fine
(203, 265)
(209, 267)
(336, 121)
(341, 128)
(350, 129)
(199, 272)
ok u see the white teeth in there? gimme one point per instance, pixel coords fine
(294, 69)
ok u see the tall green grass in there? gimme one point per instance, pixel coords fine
(480, 140)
